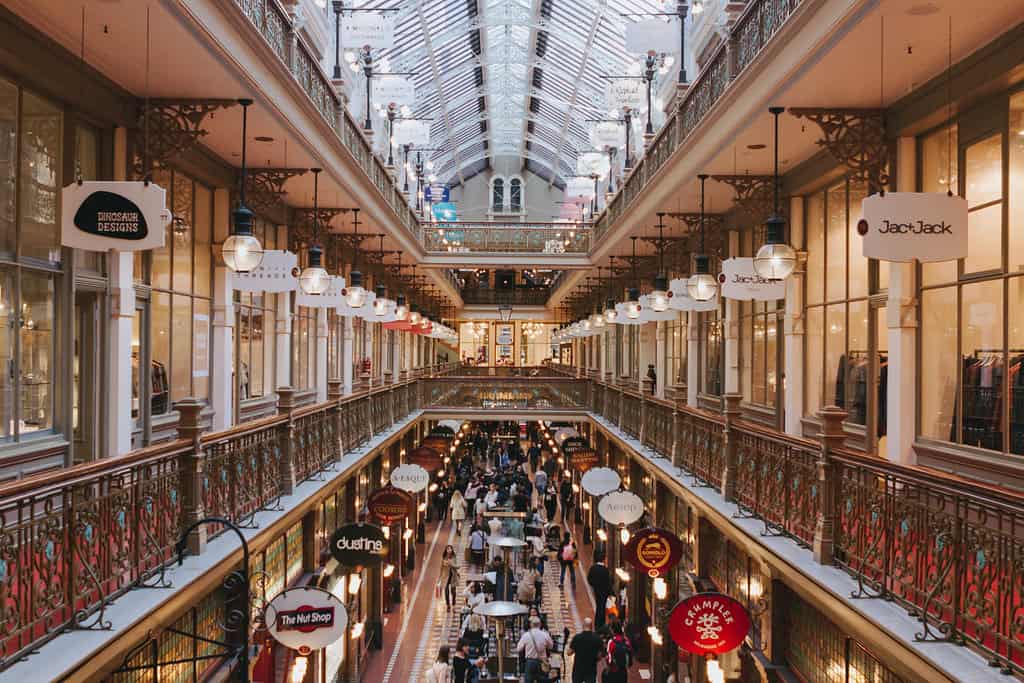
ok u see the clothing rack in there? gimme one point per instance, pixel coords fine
(977, 351)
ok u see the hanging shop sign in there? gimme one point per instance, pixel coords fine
(908, 226)
(741, 282)
(680, 299)
(444, 212)
(653, 551)
(121, 215)
(427, 458)
(332, 298)
(625, 92)
(306, 619)
(277, 272)
(412, 132)
(391, 89)
(652, 34)
(579, 188)
(709, 624)
(410, 477)
(608, 134)
(600, 480)
(437, 193)
(359, 545)
(360, 29)
(390, 505)
(564, 433)
(583, 459)
(621, 507)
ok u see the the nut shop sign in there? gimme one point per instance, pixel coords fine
(389, 504)
(709, 624)
(653, 551)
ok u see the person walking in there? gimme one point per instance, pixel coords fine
(565, 491)
(460, 662)
(440, 671)
(586, 647)
(478, 546)
(535, 644)
(567, 558)
(620, 656)
(449, 576)
(458, 507)
(600, 581)
(540, 480)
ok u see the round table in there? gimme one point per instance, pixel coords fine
(508, 545)
(500, 610)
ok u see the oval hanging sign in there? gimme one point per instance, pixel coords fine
(410, 477)
(359, 545)
(653, 551)
(389, 504)
(600, 480)
(621, 507)
(583, 459)
(426, 457)
(709, 624)
(438, 442)
(306, 619)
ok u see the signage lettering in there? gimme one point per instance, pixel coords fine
(306, 619)
(358, 545)
(914, 226)
(920, 228)
(709, 623)
(121, 215)
(740, 281)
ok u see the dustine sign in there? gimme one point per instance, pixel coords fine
(390, 505)
(909, 226)
(653, 551)
(306, 619)
(709, 624)
(121, 215)
(359, 545)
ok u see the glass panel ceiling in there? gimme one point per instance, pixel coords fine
(510, 78)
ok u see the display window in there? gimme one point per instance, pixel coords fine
(675, 354)
(760, 334)
(971, 390)
(304, 348)
(257, 315)
(710, 348)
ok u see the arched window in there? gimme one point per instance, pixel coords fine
(515, 195)
(498, 194)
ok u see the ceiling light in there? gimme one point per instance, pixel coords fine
(775, 260)
(242, 251)
(314, 278)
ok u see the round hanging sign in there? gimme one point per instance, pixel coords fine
(306, 619)
(426, 457)
(653, 551)
(410, 477)
(600, 480)
(359, 545)
(584, 459)
(563, 434)
(620, 507)
(437, 442)
(709, 624)
(389, 504)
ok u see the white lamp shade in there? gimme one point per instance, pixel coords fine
(775, 261)
(355, 296)
(702, 286)
(242, 253)
(314, 280)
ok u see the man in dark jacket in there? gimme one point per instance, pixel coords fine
(600, 581)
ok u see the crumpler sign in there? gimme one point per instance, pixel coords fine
(741, 282)
(306, 619)
(389, 504)
(709, 624)
(583, 459)
(121, 215)
(359, 545)
(621, 507)
(409, 477)
(908, 226)
(426, 457)
(653, 551)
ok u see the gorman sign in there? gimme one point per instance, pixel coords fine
(908, 226)
(389, 504)
(709, 624)
(121, 215)
(306, 619)
(654, 551)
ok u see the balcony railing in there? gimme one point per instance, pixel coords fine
(491, 237)
(505, 393)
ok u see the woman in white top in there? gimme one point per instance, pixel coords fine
(458, 507)
(440, 671)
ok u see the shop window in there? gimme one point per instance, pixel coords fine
(257, 316)
(304, 348)
(759, 341)
(515, 187)
(498, 195)
(711, 353)
(335, 344)
(971, 311)
(676, 353)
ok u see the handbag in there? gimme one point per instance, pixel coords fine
(545, 665)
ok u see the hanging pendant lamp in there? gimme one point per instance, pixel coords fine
(355, 295)
(242, 251)
(633, 301)
(659, 296)
(381, 304)
(314, 278)
(775, 260)
(610, 314)
(702, 285)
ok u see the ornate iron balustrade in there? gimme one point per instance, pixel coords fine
(502, 371)
(490, 237)
(754, 29)
(500, 393)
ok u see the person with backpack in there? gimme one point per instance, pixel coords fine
(440, 671)
(567, 558)
(620, 656)
(535, 644)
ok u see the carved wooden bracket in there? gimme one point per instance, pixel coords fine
(856, 138)
(264, 187)
(174, 127)
(713, 222)
(753, 194)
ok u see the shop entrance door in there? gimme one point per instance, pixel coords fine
(86, 394)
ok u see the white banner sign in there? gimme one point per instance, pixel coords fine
(409, 477)
(621, 507)
(625, 92)
(652, 34)
(907, 226)
(277, 272)
(681, 301)
(582, 188)
(121, 215)
(600, 480)
(332, 298)
(393, 90)
(741, 282)
(306, 619)
(412, 133)
(360, 29)
(608, 134)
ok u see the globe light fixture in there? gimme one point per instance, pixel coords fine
(702, 285)
(633, 305)
(401, 309)
(624, 535)
(659, 297)
(414, 316)
(242, 251)
(380, 304)
(314, 278)
(355, 295)
(610, 314)
(775, 260)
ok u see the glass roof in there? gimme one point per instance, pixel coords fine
(511, 78)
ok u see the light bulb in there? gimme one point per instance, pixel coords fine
(355, 581)
(624, 535)
(603, 535)
(401, 309)
(414, 318)
(357, 630)
(314, 278)
(407, 534)
(242, 253)
(775, 261)
(660, 588)
(299, 667)
(622, 574)
(380, 306)
(715, 674)
(389, 569)
(355, 295)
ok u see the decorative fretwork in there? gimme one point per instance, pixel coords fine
(301, 230)
(753, 194)
(171, 128)
(856, 138)
(264, 187)
(662, 244)
(713, 222)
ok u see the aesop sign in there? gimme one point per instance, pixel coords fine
(909, 226)
(126, 216)
(359, 545)
(621, 507)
